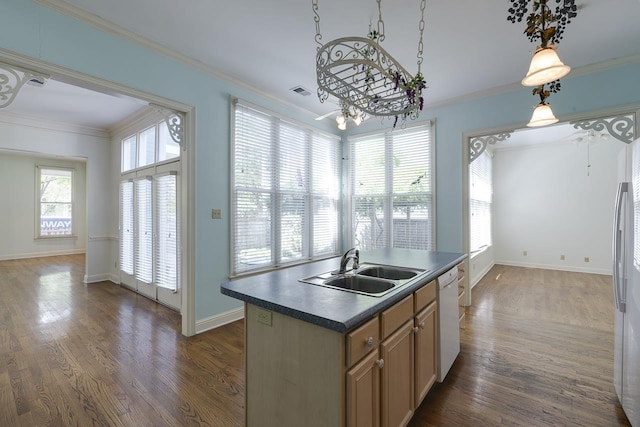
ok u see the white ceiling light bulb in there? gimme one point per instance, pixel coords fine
(342, 126)
(358, 119)
(341, 120)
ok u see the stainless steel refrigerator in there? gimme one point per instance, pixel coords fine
(626, 285)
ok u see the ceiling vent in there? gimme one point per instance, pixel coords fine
(37, 81)
(301, 91)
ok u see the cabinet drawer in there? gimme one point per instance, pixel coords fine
(424, 296)
(362, 340)
(392, 318)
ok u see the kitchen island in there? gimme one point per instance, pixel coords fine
(310, 350)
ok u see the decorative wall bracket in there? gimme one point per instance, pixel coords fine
(175, 124)
(478, 144)
(620, 127)
(12, 78)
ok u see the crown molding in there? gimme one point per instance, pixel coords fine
(30, 121)
(145, 117)
(67, 9)
(512, 87)
(73, 12)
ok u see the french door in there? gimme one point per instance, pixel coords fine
(149, 233)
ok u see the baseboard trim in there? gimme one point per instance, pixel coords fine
(94, 278)
(605, 272)
(41, 255)
(481, 275)
(219, 320)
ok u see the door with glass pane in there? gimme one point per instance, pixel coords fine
(166, 240)
(149, 235)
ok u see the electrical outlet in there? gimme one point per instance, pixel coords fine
(216, 213)
(524, 253)
(562, 257)
(264, 316)
(586, 259)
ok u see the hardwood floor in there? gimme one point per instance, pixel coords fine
(78, 355)
(537, 351)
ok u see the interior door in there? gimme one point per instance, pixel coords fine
(150, 234)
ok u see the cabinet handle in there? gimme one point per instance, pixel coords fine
(369, 342)
(416, 330)
(421, 325)
(380, 363)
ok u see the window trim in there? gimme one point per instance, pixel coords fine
(309, 195)
(38, 203)
(388, 195)
(476, 251)
(157, 124)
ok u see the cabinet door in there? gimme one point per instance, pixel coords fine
(363, 393)
(426, 324)
(398, 377)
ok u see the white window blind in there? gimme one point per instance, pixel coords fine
(285, 178)
(143, 230)
(126, 227)
(480, 201)
(392, 189)
(166, 242)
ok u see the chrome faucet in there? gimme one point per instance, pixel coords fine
(351, 254)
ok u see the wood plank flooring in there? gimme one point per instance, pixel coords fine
(79, 355)
(537, 351)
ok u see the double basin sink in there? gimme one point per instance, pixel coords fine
(368, 279)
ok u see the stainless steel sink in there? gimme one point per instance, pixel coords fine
(363, 284)
(370, 279)
(388, 272)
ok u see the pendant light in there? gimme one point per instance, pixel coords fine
(547, 27)
(545, 67)
(542, 116)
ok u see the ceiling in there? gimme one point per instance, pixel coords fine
(470, 48)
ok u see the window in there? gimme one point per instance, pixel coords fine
(285, 182)
(55, 202)
(480, 200)
(392, 190)
(147, 147)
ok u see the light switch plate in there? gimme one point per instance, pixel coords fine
(216, 213)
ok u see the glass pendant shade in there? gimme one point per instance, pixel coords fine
(545, 67)
(542, 116)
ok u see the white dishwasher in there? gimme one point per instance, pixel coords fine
(448, 326)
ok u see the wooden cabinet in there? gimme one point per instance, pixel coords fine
(397, 377)
(375, 375)
(363, 392)
(402, 366)
(426, 335)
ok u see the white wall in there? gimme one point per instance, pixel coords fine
(57, 140)
(480, 264)
(546, 205)
(18, 212)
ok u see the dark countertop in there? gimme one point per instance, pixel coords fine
(341, 311)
